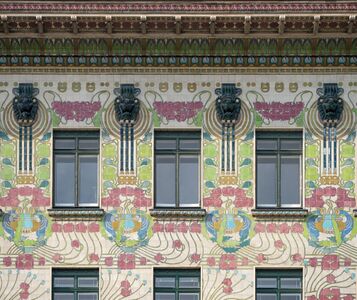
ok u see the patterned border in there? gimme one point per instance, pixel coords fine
(76, 214)
(279, 213)
(178, 213)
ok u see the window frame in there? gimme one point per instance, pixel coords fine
(75, 273)
(178, 136)
(177, 274)
(278, 274)
(77, 135)
(296, 135)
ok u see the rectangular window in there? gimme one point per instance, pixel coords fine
(176, 284)
(177, 169)
(75, 284)
(278, 284)
(76, 156)
(278, 174)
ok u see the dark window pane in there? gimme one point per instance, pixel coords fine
(290, 181)
(64, 180)
(188, 184)
(267, 144)
(190, 144)
(65, 144)
(87, 296)
(165, 144)
(165, 180)
(189, 296)
(290, 144)
(265, 296)
(91, 144)
(266, 283)
(88, 180)
(63, 282)
(63, 296)
(189, 282)
(165, 282)
(266, 180)
(290, 296)
(290, 283)
(164, 296)
(87, 282)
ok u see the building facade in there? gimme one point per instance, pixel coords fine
(178, 150)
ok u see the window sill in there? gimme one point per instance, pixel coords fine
(183, 213)
(76, 213)
(280, 213)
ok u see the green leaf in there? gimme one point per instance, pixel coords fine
(210, 185)
(209, 162)
(97, 118)
(44, 184)
(247, 185)
(246, 162)
(44, 161)
(249, 136)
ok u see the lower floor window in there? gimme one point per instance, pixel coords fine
(75, 284)
(274, 284)
(177, 284)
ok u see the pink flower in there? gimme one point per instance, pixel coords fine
(330, 278)
(259, 227)
(143, 261)
(159, 257)
(108, 261)
(56, 227)
(33, 193)
(271, 228)
(227, 281)
(278, 244)
(24, 262)
(260, 258)
(170, 227)
(93, 227)
(68, 227)
(195, 227)
(176, 244)
(24, 286)
(24, 295)
(157, 227)
(126, 261)
(75, 244)
(228, 262)
(218, 195)
(297, 228)
(182, 227)
(296, 258)
(6, 261)
(125, 284)
(330, 262)
(57, 258)
(81, 227)
(347, 262)
(41, 261)
(211, 261)
(245, 261)
(227, 290)
(76, 110)
(311, 298)
(284, 228)
(330, 294)
(348, 297)
(313, 262)
(125, 292)
(279, 111)
(195, 257)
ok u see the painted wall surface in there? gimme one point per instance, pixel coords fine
(31, 242)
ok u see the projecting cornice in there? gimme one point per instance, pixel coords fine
(176, 25)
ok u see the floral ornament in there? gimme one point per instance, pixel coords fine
(118, 195)
(220, 195)
(24, 294)
(330, 294)
(33, 195)
(329, 227)
(24, 262)
(76, 110)
(128, 230)
(126, 261)
(338, 195)
(227, 286)
(228, 262)
(125, 290)
(231, 231)
(330, 262)
(278, 111)
(178, 110)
